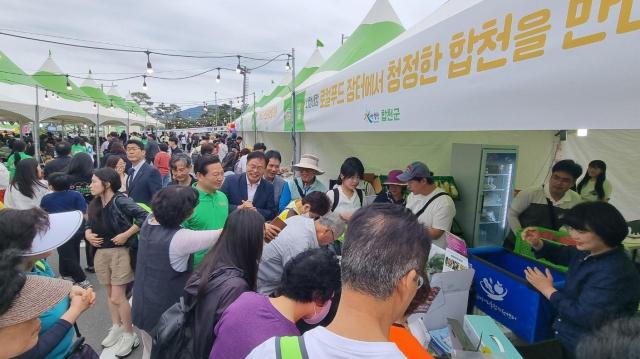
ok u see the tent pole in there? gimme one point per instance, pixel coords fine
(35, 132)
(255, 127)
(294, 135)
(97, 147)
(128, 124)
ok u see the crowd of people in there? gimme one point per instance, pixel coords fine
(202, 230)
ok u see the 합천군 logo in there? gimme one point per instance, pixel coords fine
(372, 116)
(384, 115)
(493, 290)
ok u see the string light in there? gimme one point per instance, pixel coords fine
(94, 105)
(68, 83)
(218, 77)
(149, 67)
(144, 82)
(46, 95)
(111, 107)
(204, 107)
(58, 97)
(238, 68)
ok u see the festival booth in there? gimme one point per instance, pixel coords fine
(523, 75)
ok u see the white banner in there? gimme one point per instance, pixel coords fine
(516, 65)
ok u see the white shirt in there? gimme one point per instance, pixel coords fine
(345, 204)
(185, 242)
(242, 164)
(251, 189)
(13, 198)
(588, 192)
(439, 214)
(136, 168)
(298, 236)
(4, 177)
(222, 150)
(322, 343)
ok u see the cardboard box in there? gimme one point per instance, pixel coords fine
(451, 301)
(481, 329)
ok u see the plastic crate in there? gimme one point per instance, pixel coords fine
(503, 293)
(523, 248)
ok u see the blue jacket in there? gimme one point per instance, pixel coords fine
(597, 289)
(235, 187)
(145, 184)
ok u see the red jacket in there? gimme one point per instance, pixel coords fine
(161, 162)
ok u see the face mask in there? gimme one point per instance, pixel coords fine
(317, 317)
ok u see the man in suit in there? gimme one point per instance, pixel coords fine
(250, 190)
(144, 180)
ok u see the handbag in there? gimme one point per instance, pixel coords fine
(80, 349)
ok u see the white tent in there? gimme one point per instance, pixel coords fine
(555, 77)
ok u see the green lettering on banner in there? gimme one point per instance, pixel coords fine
(288, 123)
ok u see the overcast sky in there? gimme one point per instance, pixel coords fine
(259, 28)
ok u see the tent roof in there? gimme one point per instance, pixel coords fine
(381, 11)
(91, 88)
(51, 77)
(10, 72)
(380, 26)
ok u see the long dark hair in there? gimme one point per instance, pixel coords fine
(599, 187)
(26, 177)
(81, 166)
(17, 147)
(108, 176)
(240, 246)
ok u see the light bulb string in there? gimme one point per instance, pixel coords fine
(81, 97)
(159, 53)
(138, 76)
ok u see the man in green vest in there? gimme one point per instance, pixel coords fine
(213, 207)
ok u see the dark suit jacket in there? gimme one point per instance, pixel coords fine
(145, 184)
(235, 187)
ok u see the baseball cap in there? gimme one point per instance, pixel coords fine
(415, 170)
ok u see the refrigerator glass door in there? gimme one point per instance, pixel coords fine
(496, 186)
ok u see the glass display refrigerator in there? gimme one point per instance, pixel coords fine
(485, 176)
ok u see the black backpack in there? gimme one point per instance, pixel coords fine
(173, 336)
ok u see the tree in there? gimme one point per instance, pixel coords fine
(143, 100)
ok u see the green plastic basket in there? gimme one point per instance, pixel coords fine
(523, 248)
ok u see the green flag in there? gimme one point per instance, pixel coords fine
(319, 43)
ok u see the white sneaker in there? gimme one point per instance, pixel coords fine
(128, 342)
(113, 337)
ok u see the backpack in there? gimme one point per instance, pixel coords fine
(291, 348)
(336, 198)
(173, 336)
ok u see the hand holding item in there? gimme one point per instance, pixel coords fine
(543, 282)
(532, 236)
(93, 238)
(270, 232)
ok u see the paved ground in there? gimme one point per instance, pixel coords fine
(95, 322)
